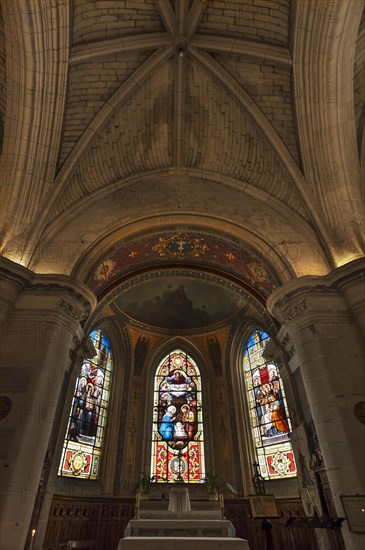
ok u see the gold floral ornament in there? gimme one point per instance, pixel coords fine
(180, 246)
(258, 271)
(78, 463)
(104, 271)
(281, 463)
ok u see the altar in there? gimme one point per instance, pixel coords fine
(175, 543)
(175, 523)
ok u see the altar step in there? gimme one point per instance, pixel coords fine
(187, 527)
(182, 543)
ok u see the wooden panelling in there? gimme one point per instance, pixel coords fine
(105, 520)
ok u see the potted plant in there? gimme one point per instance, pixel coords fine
(212, 483)
(143, 484)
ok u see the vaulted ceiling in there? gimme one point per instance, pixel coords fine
(244, 118)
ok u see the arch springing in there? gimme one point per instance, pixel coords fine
(177, 432)
(269, 417)
(86, 425)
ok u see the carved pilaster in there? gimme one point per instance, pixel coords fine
(320, 330)
(41, 335)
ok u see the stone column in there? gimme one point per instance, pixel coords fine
(42, 323)
(83, 350)
(320, 329)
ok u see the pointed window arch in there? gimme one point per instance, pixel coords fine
(269, 417)
(83, 442)
(177, 432)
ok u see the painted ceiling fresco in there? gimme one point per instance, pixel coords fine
(179, 302)
(191, 248)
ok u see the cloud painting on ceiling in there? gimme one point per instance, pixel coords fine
(177, 302)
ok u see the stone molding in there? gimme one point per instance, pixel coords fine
(75, 299)
(297, 309)
(39, 78)
(13, 279)
(310, 294)
(70, 310)
(323, 63)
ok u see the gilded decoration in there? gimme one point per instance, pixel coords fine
(195, 248)
(105, 270)
(181, 246)
(258, 271)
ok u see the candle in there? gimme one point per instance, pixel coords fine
(32, 539)
(221, 501)
(138, 497)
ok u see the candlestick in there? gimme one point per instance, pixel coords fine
(32, 539)
(138, 498)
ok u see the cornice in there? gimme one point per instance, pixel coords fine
(75, 299)
(14, 272)
(63, 285)
(348, 273)
(296, 297)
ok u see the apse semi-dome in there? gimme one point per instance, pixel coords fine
(180, 301)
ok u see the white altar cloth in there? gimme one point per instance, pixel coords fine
(182, 543)
(179, 500)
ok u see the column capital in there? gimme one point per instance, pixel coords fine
(28, 291)
(297, 300)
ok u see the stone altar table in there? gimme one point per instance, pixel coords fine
(176, 523)
(179, 527)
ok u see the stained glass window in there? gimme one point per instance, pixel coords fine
(268, 411)
(85, 431)
(177, 434)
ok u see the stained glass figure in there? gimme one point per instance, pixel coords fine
(268, 411)
(85, 431)
(177, 436)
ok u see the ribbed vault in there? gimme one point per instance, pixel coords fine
(199, 110)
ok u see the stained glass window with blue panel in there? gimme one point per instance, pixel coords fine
(82, 446)
(269, 416)
(177, 435)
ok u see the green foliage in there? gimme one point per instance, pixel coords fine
(143, 483)
(212, 480)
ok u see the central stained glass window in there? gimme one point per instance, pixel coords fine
(177, 433)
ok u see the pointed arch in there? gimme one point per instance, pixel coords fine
(177, 428)
(268, 411)
(83, 442)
